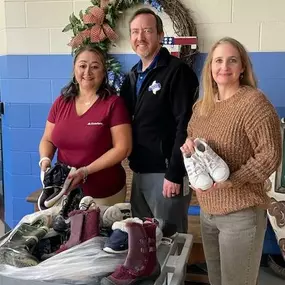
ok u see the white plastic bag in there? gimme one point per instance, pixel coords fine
(82, 264)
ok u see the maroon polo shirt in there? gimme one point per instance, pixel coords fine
(80, 140)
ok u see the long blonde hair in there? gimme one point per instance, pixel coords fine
(209, 86)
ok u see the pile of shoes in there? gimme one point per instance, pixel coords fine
(204, 167)
(18, 249)
(77, 220)
(82, 219)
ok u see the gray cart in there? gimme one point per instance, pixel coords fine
(172, 257)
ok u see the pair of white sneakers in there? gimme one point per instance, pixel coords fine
(205, 167)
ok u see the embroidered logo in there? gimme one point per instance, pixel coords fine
(154, 87)
(95, 124)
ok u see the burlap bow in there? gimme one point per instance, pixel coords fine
(97, 33)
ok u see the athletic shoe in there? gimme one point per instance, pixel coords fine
(117, 212)
(86, 203)
(215, 165)
(56, 184)
(71, 202)
(117, 242)
(198, 176)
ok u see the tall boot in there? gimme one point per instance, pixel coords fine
(76, 227)
(91, 224)
(84, 225)
(141, 262)
(17, 251)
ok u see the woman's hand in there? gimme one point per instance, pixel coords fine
(45, 164)
(188, 147)
(78, 177)
(222, 185)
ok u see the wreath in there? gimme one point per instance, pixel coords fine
(96, 27)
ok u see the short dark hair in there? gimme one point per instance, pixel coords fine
(159, 24)
(71, 90)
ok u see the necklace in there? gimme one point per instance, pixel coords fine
(90, 102)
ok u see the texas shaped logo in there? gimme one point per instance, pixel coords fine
(154, 87)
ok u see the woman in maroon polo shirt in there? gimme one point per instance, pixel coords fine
(89, 126)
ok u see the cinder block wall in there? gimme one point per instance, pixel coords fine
(35, 63)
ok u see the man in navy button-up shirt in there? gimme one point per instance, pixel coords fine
(159, 92)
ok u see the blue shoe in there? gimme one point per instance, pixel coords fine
(117, 243)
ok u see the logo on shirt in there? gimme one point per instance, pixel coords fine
(95, 124)
(154, 87)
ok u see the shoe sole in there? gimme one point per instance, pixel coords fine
(152, 277)
(110, 250)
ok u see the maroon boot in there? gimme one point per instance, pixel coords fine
(76, 227)
(84, 225)
(91, 224)
(141, 262)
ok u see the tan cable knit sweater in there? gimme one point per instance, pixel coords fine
(245, 131)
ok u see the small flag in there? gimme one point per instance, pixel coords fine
(174, 43)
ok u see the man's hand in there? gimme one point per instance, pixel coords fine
(222, 185)
(170, 189)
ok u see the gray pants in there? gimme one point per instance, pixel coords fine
(233, 246)
(147, 201)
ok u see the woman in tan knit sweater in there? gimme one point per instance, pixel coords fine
(242, 127)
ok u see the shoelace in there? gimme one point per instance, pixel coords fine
(211, 160)
(194, 165)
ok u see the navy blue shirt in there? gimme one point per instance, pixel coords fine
(142, 74)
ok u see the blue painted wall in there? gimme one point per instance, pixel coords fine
(28, 86)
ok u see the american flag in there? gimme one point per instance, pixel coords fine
(174, 44)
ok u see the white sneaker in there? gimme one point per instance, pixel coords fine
(216, 166)
(197, 172)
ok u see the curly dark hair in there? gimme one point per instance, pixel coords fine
(71, 90)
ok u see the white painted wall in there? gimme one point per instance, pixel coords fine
(3, 46)
(34, 26)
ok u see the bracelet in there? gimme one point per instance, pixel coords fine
(42, 159)
(85, 172)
